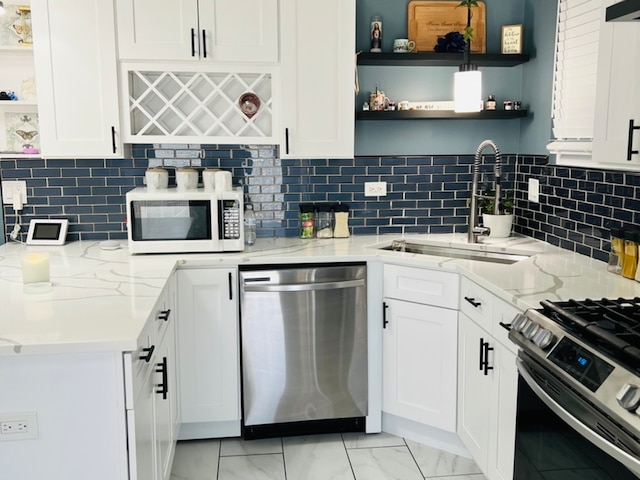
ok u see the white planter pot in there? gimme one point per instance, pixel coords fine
(499, 225)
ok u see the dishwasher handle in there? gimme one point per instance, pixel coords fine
(303, 287)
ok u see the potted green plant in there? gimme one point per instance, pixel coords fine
(499, 224)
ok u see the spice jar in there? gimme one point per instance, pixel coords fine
(307, 220)
(341, 216)
(324, 221)
(616, 253)
(630, 254)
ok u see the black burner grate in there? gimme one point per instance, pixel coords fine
(612, 325)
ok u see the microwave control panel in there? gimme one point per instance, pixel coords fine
(230, 219)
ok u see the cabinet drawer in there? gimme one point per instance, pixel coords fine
(137, 367)
(476, 303)
(429, 287)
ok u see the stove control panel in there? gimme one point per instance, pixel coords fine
(629, 397)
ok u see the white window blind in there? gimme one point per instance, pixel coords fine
(574, 85)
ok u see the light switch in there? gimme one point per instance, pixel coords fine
(533, 194)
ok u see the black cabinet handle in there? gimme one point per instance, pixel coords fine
(630, 150)
(384, 314)
(164, 315)
(149, 353)
(487, 349)
(163, 387)
(230, 286)
(481, 363)
(204, 44)
(506, 326)
(473, 302)
(286, 140)
(113, 139)
(193, 42)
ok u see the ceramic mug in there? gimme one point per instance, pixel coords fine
(403, 45)
(186, 178)
(209, 178)
(156, 178)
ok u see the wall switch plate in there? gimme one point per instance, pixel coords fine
(375, 189)
(533, 194)
(18, 426)
(9, 187)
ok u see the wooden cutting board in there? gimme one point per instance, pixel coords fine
(428, 20)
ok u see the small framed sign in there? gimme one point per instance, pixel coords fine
(511, 39)
(47, 232)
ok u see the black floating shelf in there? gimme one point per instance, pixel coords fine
(441, 114)
(440, 59)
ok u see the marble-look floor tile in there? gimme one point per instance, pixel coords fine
(252, 467)
(477, 476)
(384, 463)
(196, 460)
(363, 440)
(316, 457)
(437, 463)
(238, 446)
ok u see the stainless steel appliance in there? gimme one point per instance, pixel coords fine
(304, 349)
(579, 366)
(173, 220)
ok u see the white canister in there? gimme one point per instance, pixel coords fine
(156, 178)
(209, 178)
(186, 178)
(223, 181)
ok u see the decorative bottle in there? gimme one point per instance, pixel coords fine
(249, 225)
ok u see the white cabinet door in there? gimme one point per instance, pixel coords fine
(209, 362)
(142, 442)
(76, 77)
(618, 95)
(318, 77)
(419, 363)
(473, 394)
(157, 29)
(239, 30)
(210, 30)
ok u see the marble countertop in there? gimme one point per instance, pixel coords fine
(101, 299)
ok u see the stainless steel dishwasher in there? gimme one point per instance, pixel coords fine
(304, 349)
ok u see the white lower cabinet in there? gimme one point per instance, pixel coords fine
(153, 415)
(487, 382)
(208, 339)
(419, 348)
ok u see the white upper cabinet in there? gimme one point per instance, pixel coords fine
(76, 78)
(617, 120)
(318, 75)
(209, 30)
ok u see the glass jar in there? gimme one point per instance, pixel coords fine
(341, 216)
(491, 103)
(307, 220)
(616, 253)
(376, 34)
(630, 254)
(324, 221)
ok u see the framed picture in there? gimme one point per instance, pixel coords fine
(511, 39)
(22, 26)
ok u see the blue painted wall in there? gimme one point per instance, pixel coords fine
(529, 83)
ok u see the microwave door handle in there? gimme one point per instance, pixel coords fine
(620, 455)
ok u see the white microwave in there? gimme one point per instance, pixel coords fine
(172, 220)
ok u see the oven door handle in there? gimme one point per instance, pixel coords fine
(623, 457)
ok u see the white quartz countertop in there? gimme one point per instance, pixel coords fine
(101, 299)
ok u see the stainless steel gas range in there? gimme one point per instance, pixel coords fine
(582, 360)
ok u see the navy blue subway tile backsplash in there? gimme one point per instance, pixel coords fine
(426, 194)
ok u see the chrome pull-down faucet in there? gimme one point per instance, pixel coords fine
(474, 230)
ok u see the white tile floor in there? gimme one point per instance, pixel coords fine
(350, 456)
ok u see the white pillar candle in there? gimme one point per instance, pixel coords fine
(35, 267)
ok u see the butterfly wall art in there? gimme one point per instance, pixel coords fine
(22, 131)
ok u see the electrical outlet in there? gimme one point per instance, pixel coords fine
(533, 194)
(9, 187)
(18, 426)
(375, 189)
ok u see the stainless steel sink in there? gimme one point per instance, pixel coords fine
(465, 252)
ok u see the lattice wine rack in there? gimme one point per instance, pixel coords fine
(198, 105)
